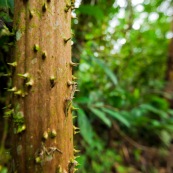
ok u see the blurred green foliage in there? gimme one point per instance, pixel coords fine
(122, 47)
(6, 43)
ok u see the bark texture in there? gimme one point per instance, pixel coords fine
(43, 70)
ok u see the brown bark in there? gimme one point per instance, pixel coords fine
(43, 57)
(169, 74)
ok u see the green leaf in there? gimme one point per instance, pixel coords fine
(11, 4)
(102, 116)
(118, 116)
(106, 69)
(3, 170)
(3, 4)
(154, 110)
(82, 100)
(94, 11)
(85, 128)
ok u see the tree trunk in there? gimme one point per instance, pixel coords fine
(43, 130)
(169, 74)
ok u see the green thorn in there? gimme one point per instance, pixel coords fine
(44, 55)
(74, 108)
(52, 80)
(19, 92)
(30, 83)
(44, 7)
(36, 48)
(12, 89)
(25, 75)
(13, 64)
(38, 160)
(76, 151)
(31, 14)
(53, 133)
(74, 77)
(45, 135)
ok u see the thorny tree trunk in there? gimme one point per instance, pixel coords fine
(42, 78)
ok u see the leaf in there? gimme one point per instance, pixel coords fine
(3, 4)
(82, 100)
(102, 116)
(3, 170)
(11, 4)
(117, 116)
(154, 110)
(107, 70)
(85, 128)
(94, 11)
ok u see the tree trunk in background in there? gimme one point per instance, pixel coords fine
(169, 90)
(169, 74)
(43, 55)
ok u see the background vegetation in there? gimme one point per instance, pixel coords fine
(125, 119)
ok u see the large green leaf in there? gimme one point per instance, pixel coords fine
(102, 116)
(118, 116)
(107, 70)
(85, 127)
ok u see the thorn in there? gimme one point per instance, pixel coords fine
(74, 117)
(66, 39)
(19, 92)
(74, 78)
(74, 108)
(12, 89)
(44, 7)
(75, 132)
(38, 160)
(30, 83)
(73, 64)
(13, 64)
(45, 135)
(25, 75)
(67, 8)
(75, 169)
(75, 157)
(52, 81)
(36, 48)
(76, 151)
(76, 128)
(44, 55)
(69, 83)
(53, 133)
(31, 14)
